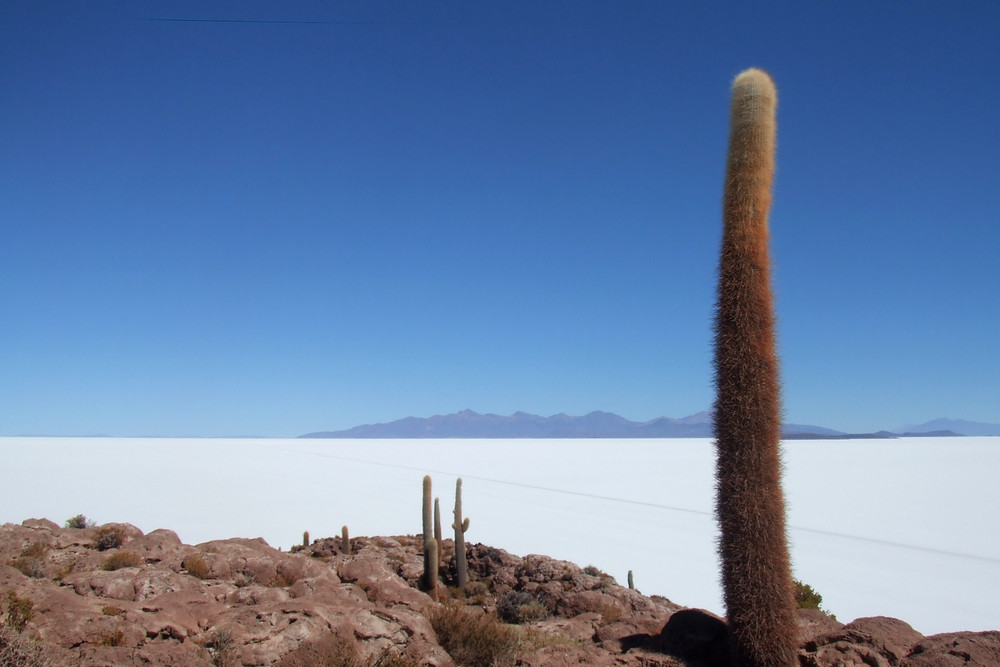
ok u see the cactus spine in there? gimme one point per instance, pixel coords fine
(345, 541)
(460, 526)
(750, 507)
(430, 546)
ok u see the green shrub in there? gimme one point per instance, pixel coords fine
(120, 559)
(806, 597)
(79, 521)
(474, 639)
(109, 537)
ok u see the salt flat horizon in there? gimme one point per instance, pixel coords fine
(902, 527)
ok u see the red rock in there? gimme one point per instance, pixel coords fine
(971, 649)
(257, 605)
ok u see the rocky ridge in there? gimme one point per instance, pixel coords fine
(242, 602)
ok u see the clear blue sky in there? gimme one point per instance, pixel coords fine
(317, 215)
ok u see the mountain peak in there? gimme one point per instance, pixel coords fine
(600, 424)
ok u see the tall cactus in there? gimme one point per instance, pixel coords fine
(345, 541)
(437, 520)
(432, 574)
(750, 507)
(461, 525)
(430, 559)
(437, 533)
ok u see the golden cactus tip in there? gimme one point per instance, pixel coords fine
(756, 575)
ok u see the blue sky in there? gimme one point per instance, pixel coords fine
(325, 214)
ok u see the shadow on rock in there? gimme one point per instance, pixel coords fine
(698, 637)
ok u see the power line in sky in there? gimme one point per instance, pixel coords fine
(278, 21)
(670, 508)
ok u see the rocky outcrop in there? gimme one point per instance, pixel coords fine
(152, 600)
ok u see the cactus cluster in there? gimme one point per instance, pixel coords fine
(753, 550)
(433, 539)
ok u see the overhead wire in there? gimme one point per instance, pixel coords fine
(660, 506)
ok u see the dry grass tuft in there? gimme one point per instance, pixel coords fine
(196, 566)
(475, 639)
(109, 537)
(121, 559)
(31, 562)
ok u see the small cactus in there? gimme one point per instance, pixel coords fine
(631, 582)
(305, 538)
(345, 541)
(461, 525)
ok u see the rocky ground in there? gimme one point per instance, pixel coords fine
(111, 595)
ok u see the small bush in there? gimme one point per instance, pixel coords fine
(242, 579)
(331, 649)
(806, 597)
(196, 566)
(17, 649)
(391, 658)
(474, 639)
(29, 567)
(536, 640)
(474, 588)
(222, 645)
(19, 612)
(611, 614)
(120, 559)
(112, 611)
(114, 637)
(520, 607)
(35, 550)
(476, 592)
(109, 537)
(79, 521)
(31, 562)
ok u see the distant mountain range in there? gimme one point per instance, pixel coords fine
(469, 424)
